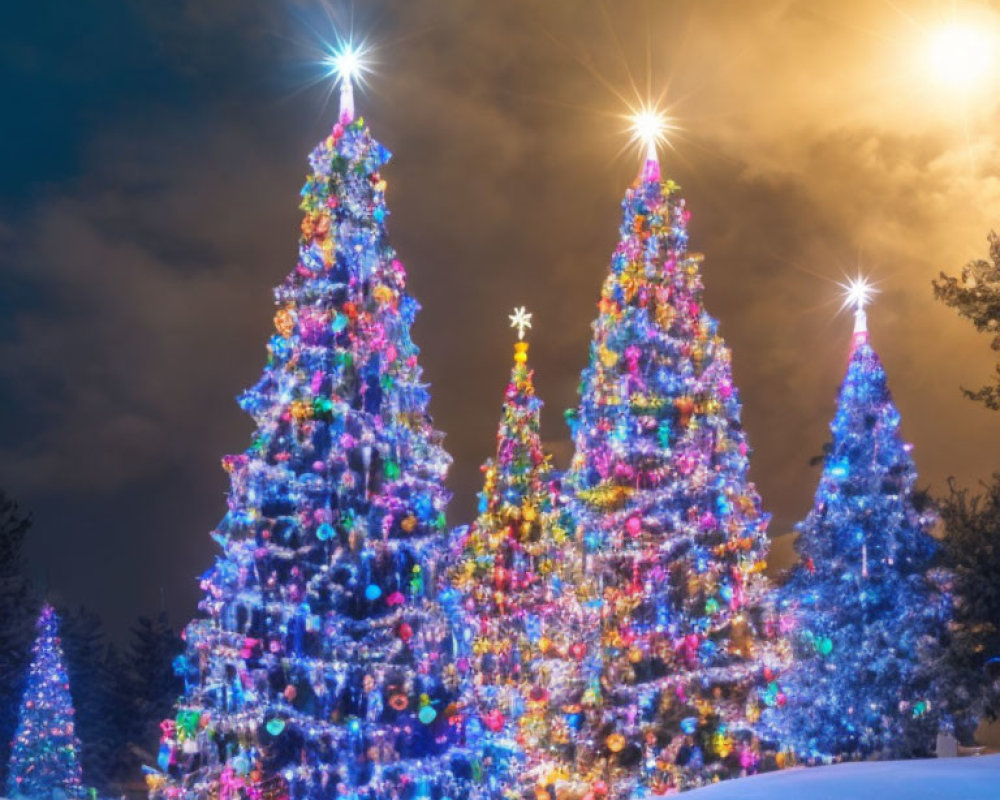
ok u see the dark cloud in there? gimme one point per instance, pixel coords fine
(152, 164)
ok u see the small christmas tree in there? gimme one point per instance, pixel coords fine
(45, 756)
(322, 667)
(674, 530)
(512, 580)
(868, 619)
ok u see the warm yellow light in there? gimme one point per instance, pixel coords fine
(960, 55)
(649, 129)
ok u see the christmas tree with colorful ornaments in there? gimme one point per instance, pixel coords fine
(602, 634)
(514, 585)
(869, 621)
(322, 666)
(45, 755)
(673, 529)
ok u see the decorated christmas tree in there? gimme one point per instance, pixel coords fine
(322, 666)
(513, 584)
(869, 621)
(45, 755)
(674, 532)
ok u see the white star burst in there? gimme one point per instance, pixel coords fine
(649, 128)
(348, 62)
(858, 292)
(521, 320)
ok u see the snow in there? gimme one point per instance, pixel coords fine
(974, 778)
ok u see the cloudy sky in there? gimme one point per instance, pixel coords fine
(152, 155)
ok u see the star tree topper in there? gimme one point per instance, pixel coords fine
(347, 64)
(649, 128)
(858, 293)
(521, 321)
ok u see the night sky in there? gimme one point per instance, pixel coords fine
(152, 155)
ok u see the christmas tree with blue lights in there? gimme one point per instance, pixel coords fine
(45, 755)
(322, 666)
(868, 619)
(673, 528)
(513, 586)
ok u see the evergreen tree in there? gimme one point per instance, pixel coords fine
(972, 544)
(976, 296)
(675, 535)
(322, 665)
(16, 621)
(148, 686)
(869, 621)
(513, 580)
(971, 669)
(45, 756)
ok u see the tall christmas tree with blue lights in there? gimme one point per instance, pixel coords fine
(45, 756)
(869, 621)
(675, 535)
(322, 667)
(513, 585)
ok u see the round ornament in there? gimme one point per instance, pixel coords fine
(398, 702)
(494, 720)
(325, 532)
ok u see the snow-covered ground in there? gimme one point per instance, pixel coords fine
(973, 778)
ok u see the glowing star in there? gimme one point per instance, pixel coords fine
(649, 129)
(348, 65)
(520, 320)
(858, 293)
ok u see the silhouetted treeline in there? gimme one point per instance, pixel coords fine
(972, 552)
(17, 624)
(120, 694)
(972, 521)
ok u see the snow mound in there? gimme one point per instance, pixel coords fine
(974, 778)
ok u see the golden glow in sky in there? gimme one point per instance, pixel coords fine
(960, 54)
